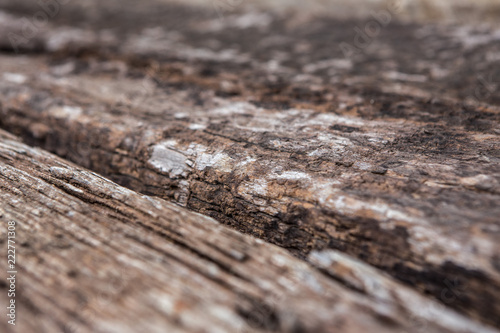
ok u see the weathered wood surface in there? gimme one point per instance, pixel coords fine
(96, 257)
(259, 121)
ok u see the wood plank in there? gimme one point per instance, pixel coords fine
(376, 155)
(95, 257)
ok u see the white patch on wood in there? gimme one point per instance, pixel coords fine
(196, 127)
(293, 175)
(14, 78)
(327, 119)
(195, 150)
(253, 191)
(318, 152)
(328, 64)
(170, 143)
(234, 108)
(220, 160)
(323, 189)
(359, 274)
(243, 21)
(471, 39)
(483, 182)
(354, 207)
(66, 112)
(180, 115)
(258, 186)
(335, 144)
(247, 160)
(225, 316)
(363, 166)
(167, 160)
(406, 77)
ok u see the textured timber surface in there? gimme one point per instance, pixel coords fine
(258, 120)
(97, 257)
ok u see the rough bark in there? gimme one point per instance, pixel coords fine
(262, 124)
(96, 257)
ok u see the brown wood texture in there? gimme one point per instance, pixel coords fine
(258, 120)
(96, 257)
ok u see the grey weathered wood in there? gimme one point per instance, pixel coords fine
(95, 257)
(377, 155)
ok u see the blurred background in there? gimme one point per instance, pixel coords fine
(450, 11)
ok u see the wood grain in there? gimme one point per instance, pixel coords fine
(390, 156)
(96, 257)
